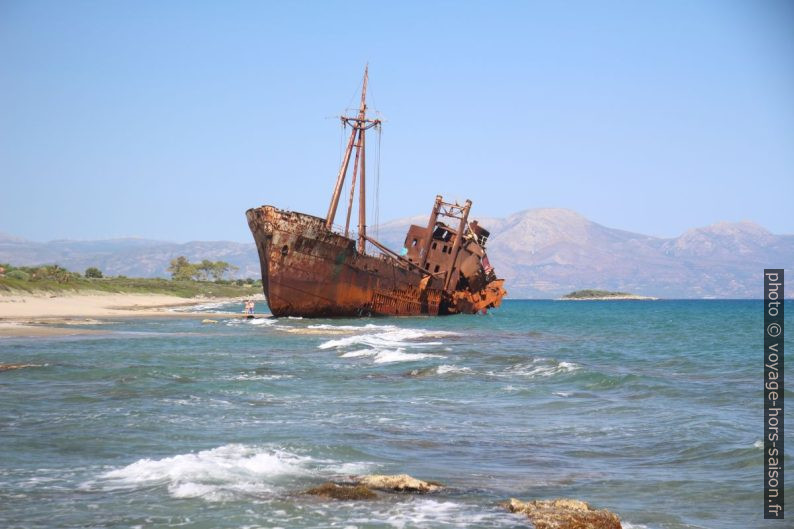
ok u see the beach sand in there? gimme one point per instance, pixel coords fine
(48, 315)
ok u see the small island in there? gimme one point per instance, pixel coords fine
(600, 295)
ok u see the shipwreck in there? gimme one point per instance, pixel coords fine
(312, 269)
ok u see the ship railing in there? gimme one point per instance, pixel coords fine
(386, 253)
(392, 255)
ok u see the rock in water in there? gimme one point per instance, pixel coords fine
(564, 514)
(342, 492)
(9, 367)
(399, 483)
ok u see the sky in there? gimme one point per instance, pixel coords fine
(167, 120)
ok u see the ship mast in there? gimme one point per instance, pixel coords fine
(359, 125)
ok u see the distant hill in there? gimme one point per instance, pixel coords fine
(542, 253)
(545, 253)
(129, 257)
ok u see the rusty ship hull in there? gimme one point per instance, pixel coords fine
(310, 271)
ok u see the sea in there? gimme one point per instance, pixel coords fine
(651, 409)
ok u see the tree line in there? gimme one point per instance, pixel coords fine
(39, 273)
(181, 269)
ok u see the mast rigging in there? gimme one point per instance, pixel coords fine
(359, 125)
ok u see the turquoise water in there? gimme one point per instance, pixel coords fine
(650, 409)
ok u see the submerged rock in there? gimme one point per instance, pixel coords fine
(342, 492)
(9, 367)
(425, 371)
(564, 514)
(399, 483)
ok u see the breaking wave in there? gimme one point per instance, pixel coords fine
(384, 356)
(385, 343)
(538, 367)
(445, 369)
(223, 473)
(387, 336)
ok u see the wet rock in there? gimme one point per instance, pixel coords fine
(399, 483)
(423, 372)
(564, 514)
(342, 492)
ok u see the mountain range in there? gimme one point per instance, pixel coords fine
(542, 253)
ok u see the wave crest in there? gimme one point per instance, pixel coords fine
(386, 343)
(218, 474)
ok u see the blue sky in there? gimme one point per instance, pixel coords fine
(168, 120)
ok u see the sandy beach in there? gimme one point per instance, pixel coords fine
(48, 314)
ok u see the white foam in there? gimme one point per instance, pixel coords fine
(269, 321)
(383, 343)
(539, 367)
(361, 352)
(214, 475)
(261, 321)
(389, 336)
(367, 327)
(759, 444)
(420, 512)
(399, 355)
(445, 369)
(212, 492)
(386, 356)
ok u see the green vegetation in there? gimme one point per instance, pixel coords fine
(182, 269)
(56, 279)
(94, 273)
(18, 274)
(589, 293)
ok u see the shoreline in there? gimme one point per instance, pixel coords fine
(62, 315)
